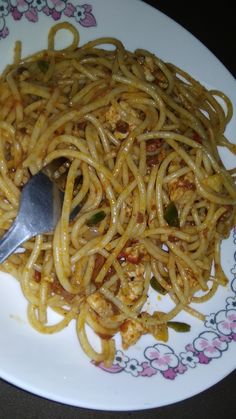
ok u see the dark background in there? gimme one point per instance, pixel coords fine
(214, 24)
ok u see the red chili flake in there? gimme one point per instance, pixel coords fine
(81, 125)
(59, 290)
(173, 239)
(227, 214)
(122, 127)
(22, 130)
(197, 138)
(122, 255)
(140, 218)
(37, 276)
(135, 259)
(153, 145)
(152, 160)
(99, 262)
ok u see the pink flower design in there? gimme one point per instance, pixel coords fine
(21, 5)
(56, 15)
(226, 321)
(162, 357)
(133, 367)
(83, 15)
(32, 15)
(31, 9)
(47, 11)
(148, 371)
(120, 359)
(16, 14)
(190, 347)
(189, 359)
(38, 4)
(54, 8)
(57, 5)
(170, 374)
(203, 359)
(69, 10)
(4, 31)
(210, 344)
(225, 338)
(181, 369)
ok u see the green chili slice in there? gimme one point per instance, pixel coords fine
(179, 326)
(43, 66)
(157, 287)
(96, 218)
(171, 215)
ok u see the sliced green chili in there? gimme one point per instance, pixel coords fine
(96, 218)
(43, 66)
(171, 215)
(157, 287)
(179, 326)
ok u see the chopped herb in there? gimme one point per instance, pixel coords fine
(43, 66)
(96, 218)
(179, 326)
(171, 215)
(157, 287)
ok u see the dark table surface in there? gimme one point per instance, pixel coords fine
(215, 26)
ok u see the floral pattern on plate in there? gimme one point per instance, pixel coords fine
(31, 10)
(208, 346)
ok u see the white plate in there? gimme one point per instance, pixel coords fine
(144, 377)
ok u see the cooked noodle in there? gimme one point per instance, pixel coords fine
(136, 140)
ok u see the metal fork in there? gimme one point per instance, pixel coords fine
(39, 211)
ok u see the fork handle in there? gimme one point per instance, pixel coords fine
(14, 237)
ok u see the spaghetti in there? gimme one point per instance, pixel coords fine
(134, 141)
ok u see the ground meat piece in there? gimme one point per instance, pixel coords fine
(131, 331)
(100, 305)
(158, 331)
(182, 188)
(135, 252)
